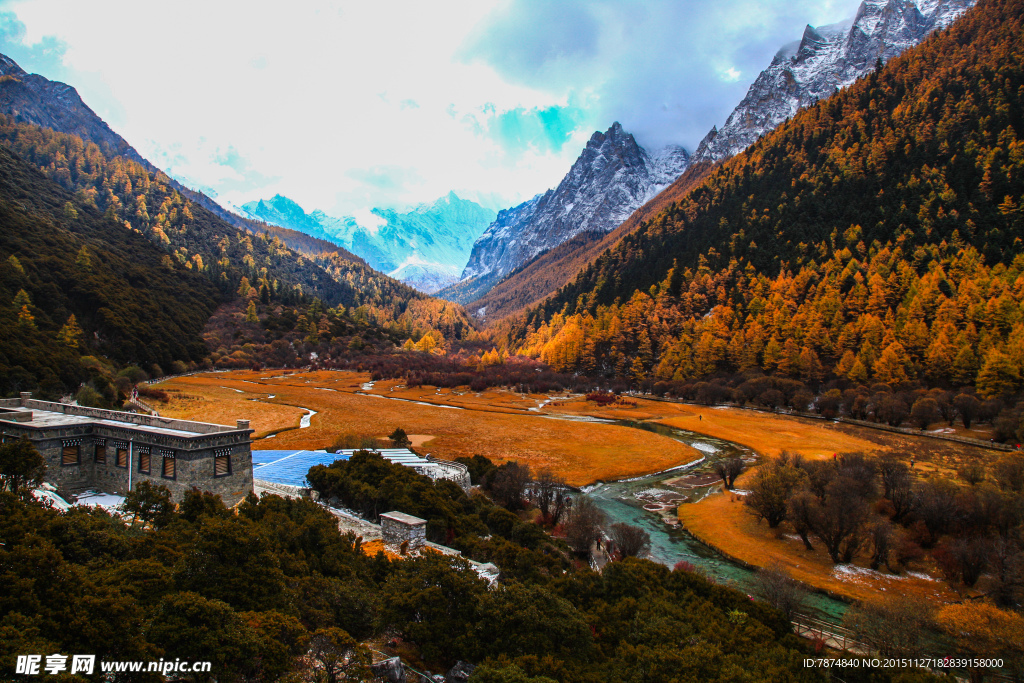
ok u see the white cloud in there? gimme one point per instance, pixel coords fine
(346, 106)
(369, 220)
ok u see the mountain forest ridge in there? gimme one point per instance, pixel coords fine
(31, 98)
(803, 72)
(875, 237)
(425, 247)
(146, 202)
(348, 304)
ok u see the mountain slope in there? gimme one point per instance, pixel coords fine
(61, 258)
(33, 99)
(826, 59)
(611, 178)
(492, 299)
(803, 72)
(874, 237)
(145, 203)
(426, 247)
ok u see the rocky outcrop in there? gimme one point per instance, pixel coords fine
(824, 60)
(389, 670)
(610, 179)
(459, 673)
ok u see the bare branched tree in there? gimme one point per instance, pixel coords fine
(583, 524)
(839, 522)
(973, 473)
(893, 627)
(546, 489)
(776, 587)
(802, 509)
(631, 541)
(772, 484)
(896, 482)
(728, 469)
(507, 484)
(881, 538)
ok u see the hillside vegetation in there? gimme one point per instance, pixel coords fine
(75, 283)
(873, 238)
(147, 203)
(126, 209)
(274, 592)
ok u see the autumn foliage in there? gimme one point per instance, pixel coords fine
(872, 239)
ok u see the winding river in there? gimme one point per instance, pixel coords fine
(670, 545)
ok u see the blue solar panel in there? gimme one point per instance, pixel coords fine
(263, 457)
(289, 467)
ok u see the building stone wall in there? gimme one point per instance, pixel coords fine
(193, 446)
(397, 528)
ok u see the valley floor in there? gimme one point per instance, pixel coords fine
(504, 425)
(447, 424)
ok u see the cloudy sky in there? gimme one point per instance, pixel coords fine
(343, 106)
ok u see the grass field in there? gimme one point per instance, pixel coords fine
(497, 425)
(722, 520)
(505, 425)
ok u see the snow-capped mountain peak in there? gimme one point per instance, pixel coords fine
(612, 177)
(825, 59)
(425, 247)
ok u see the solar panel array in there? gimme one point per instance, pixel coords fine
(290, 467)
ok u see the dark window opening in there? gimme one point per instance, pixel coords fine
(170, 468)
(69, 455)
(122, 457)
(101, 455)
(144, 462)
(222, 465)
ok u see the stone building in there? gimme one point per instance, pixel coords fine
(398, 528)
(111, 451)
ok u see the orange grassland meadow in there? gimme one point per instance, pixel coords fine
(497, 424)
(504, 425)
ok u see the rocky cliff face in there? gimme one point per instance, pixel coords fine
(611, 179)
(824, 60)
(31, 98)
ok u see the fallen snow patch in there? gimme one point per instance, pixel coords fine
(107, 501)
(849, 572)
(55, 501)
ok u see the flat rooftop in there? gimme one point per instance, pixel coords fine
(30, 413)
(44, 419)
(403, 518)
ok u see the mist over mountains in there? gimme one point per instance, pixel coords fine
(426, 247)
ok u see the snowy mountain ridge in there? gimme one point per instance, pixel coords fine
(425, 247)
(612, 177)
(823, 61)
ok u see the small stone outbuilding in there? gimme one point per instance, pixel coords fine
(398, 528)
